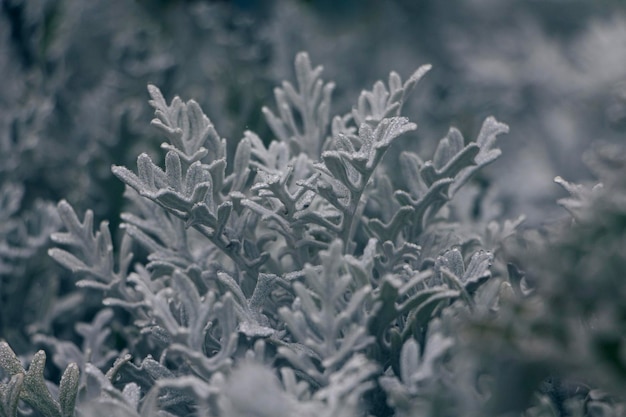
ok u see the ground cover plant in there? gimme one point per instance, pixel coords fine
(308, 274)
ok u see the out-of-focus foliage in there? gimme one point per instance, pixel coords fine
(75, 75)
(560, 317)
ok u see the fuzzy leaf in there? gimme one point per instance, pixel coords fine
(389, 231)
(35, 391)
(382, 101)
(68, 390)
(486, 141)
(409, 360)
(311, 102)
(478, 270)
(94, 250)
(188, 129)
(9, 361)
(10, 395)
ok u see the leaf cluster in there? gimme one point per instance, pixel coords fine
(296, 259)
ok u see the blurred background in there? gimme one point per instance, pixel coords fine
(73, 96)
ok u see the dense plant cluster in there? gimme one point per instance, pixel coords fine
(300, 277)
(326, 263)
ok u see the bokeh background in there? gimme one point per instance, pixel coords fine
(73, 99)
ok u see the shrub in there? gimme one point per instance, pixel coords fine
(312, 277)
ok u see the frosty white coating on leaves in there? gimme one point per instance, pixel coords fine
(309, 269)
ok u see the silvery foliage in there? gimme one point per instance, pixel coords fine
(25, 227)
(70, 105)
(291, 279)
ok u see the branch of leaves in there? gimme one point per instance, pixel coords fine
(382, 101)
(23, 232)
(187, 128)
(94, 251)
(581, 198)
(345, 172)
(101, 397)
(162, 234)
(405, 308)
(327, 319)
(177, 393)
(201, 328)
(433, 183)
(190, 198)
(278, 208)
(277, 177)
(279, 197)
(310, 104)
(30, 386)
(417, 368)
(94, 348)
(341, 181)
(196, 199)
(111, 402)
(183, 321)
